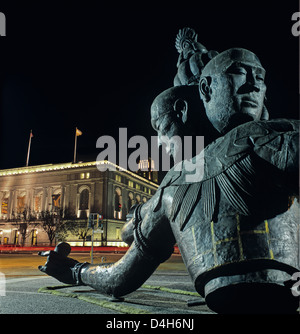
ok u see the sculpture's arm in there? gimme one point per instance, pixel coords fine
(153, 244)
(122, 277)
(132, 218)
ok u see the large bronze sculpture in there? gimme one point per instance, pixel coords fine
(237, 224)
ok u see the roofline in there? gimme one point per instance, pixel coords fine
(69, 165)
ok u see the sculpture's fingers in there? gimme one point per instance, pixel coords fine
(42, 268)
(44, 253)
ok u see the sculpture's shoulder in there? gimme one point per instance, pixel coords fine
(172, 176)
(249, 135)
(262, 138)
(282, 124)
(252, 137)
(230, 167)
(259, 133)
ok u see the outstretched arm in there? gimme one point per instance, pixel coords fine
(122, 277)
(153, 244)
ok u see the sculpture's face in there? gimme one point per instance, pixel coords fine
(169, 117)
(237, 96)
(169, 132)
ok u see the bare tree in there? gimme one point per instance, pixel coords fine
(75, 226)
(79, 228)
(53, 224)
(25, 222)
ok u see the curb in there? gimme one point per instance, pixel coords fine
(54, 290)
(103, 303)
(177, 291)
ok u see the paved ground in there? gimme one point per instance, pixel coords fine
(26, 291)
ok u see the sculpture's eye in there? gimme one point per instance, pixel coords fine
(238, 70)
(260, 78)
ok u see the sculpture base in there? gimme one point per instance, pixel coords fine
(252, 298)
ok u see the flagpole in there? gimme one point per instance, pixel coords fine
(28, 151)
(75, 146)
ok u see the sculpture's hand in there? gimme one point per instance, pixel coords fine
(59, 266)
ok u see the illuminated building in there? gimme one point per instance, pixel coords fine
(79, 189)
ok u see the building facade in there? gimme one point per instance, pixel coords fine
(69, 190)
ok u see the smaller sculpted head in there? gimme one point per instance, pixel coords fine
(232, 87)
(176, 112)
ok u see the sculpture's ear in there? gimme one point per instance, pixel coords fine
(205, 89)
(181, 109)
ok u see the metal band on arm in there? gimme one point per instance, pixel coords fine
(76, 272)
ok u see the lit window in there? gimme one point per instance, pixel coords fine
(130, 183)
(34, 234)
(118, 178)
(118, 204)
(130, 200)
(82, 175)
(21, 204)
(56, 201)
(137, 186)
(4, 206)
(37, 203)
(87, 175)
(118, 233)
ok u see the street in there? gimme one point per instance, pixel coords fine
(24, 290)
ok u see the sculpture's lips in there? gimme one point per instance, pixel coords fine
(249, 102)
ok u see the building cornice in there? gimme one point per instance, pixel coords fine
(70, 165)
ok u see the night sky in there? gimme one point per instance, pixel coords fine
(99, 67)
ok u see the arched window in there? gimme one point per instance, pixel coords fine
(84, 200)
(130, 200)
(137, 199)
(21, 202)
(118, 203)
(4, 204)
(37, 201)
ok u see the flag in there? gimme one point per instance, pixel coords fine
(31, 134)
(78, 132)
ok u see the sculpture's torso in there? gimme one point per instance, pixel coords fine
(240, 223)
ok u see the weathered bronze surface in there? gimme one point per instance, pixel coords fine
(237, 222)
